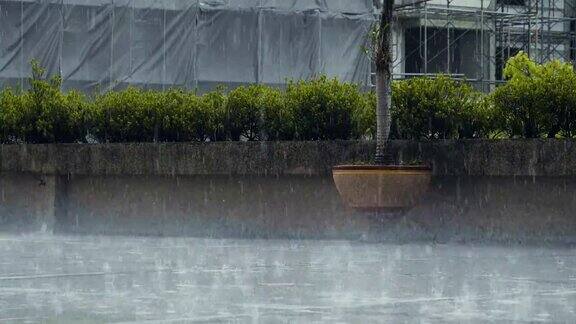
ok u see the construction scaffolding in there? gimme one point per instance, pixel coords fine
(472, 39)
(99, 45)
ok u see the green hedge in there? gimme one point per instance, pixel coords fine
(43, 114)
(308, 110)
(537, 100)
(134, 115)
(440, 108)
(323, 109)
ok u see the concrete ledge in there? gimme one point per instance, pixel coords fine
(541, 157)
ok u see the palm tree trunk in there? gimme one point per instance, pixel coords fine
(383, 62)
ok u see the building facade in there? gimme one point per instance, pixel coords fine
(98, 45)
(472, 39)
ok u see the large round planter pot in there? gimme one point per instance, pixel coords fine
(381, 188)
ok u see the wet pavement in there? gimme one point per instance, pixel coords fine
(95, 279)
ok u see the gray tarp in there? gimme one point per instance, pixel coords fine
(104, 44)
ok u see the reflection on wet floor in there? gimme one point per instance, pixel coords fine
(61, 279)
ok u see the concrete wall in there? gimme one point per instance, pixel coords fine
(506, 191)
(540, 157)
(27, 201)
(456, 209)
(511, 210)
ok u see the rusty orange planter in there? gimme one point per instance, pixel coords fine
(381, 188)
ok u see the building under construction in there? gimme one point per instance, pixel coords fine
(472, 39)
(98, 45)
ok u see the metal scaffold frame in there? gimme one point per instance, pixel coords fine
(544, 29)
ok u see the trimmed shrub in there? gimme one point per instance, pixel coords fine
(43, 114)
(278, 118)
(243, 112)
(258, 112)
(480, 120)
(537, 100)
(130, 115)
(11, 107)
(323, 108)
(364, 117)
(440, 108)
(216, 110)
(185, 117)
(134, 115)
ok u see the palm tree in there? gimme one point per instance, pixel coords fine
(383, 62)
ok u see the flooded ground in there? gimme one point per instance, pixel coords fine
(60, 279)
